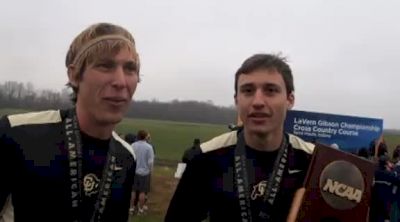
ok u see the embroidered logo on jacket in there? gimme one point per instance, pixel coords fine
(90, 184)
(259, 190)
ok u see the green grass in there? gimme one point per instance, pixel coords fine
(11, 111)
(170, 139)
(392, 141)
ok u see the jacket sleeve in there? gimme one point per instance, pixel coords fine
(6, 159)
(190, 201)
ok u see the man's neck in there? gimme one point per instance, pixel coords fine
(91, 127)
(263, 142)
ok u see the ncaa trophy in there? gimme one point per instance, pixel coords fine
(337, 188)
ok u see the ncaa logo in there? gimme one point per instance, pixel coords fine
(341, 185)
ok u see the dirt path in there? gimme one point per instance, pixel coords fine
(163, 185)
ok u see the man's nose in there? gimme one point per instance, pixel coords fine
(259, 99)
(119, 80)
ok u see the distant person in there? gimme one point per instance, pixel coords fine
(145, 159)
(233, 127)
(363, 152)
(250, 174)
(396, 160)
(381, 149)
(130, 138)
(148, 140)
(382, 195)
(396, 163)
(188, 155)
(193, 151)
(70, 165)
(396, 155)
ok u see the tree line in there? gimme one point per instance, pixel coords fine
(19, 95)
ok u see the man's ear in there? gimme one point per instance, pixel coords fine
(73, 77)
(290, 100)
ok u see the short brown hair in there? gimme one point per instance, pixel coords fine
(142, 134)
(267, 61)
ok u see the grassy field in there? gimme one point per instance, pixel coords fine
(392, 141)
(170, 139)
(4, 111)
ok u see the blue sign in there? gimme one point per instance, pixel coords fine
(348, 133)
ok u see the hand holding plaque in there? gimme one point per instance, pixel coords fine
(337, 188)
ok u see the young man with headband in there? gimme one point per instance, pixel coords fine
(69, 165)
(250, 174)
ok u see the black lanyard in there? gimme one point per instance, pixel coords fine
(242, 179)
(73, 143)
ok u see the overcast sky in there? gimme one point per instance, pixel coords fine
(345, 54)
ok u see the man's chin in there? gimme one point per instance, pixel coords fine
(112, 118)
(257, 130)
(115, 115)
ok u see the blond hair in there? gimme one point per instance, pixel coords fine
(95, 42)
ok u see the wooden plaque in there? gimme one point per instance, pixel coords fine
(337, 187)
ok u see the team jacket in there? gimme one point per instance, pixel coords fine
(207, 187)
(34, 168)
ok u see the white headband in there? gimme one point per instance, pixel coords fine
(95, 41)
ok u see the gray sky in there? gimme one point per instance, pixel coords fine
(344, 53)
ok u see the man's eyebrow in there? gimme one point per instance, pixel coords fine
(108, 59)
(269, 84)
(104, 59)
(247, 85)
(131, 62)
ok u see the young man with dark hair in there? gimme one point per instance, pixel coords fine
(69, 165)
(250, 174)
